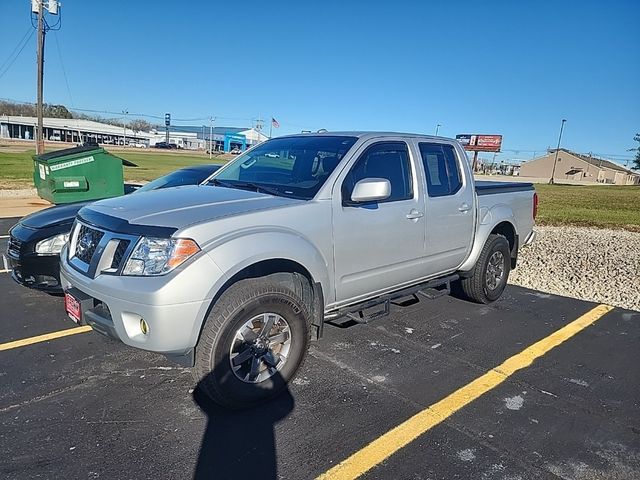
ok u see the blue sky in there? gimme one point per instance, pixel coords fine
(507, 67)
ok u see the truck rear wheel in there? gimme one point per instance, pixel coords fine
(253, 342)
(491, 271)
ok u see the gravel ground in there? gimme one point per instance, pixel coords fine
(18, 193)
(590, 264)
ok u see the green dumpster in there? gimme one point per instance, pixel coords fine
(78, 174)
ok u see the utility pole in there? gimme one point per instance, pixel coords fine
(555, 160)
(40, 60)
(124, 127)
(437, 128)
(475, 160)
(38, 7)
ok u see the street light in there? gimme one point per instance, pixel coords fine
(437, 128)
(211, 119)
(555, 160)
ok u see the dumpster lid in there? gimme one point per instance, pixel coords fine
(126, 163)
(81, 149)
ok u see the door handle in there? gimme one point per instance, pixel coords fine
(414, 215)
(464, 208)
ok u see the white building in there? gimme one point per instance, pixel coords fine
(79, 131)
(187, 140)
(71, 130)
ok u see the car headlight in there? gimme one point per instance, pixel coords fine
(157, 256)
(52, 245)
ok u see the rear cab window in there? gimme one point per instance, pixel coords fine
(441, 168)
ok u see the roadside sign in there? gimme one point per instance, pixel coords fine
(480, 143)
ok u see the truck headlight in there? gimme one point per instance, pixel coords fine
(52, 245)
(157, 256)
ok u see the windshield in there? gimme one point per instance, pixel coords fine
(176, 179)
(293, 166)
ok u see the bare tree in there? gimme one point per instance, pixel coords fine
(139, 125)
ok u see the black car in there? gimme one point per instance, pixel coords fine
(35, 242)
(165, 145)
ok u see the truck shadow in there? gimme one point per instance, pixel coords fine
(240, 444)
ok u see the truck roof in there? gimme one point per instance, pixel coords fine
(364, 134)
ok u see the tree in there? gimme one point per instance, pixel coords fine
(636, 161)
(56, 111)
(139, 125)
(17, 109)
(29, 110)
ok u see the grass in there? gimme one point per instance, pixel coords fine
(153, 166)
(16, 167)
(590, 206)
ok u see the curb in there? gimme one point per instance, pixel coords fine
(19, 193)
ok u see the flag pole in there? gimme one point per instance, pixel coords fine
(270, 128)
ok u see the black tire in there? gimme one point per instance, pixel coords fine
(246, 300)
(478, 287)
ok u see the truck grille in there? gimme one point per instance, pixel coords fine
(118, 255)
(87, 242)
(14, 246)
(93, 251)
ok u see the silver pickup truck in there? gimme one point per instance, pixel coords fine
(235, 276)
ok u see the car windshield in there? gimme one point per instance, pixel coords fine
(291, 166)
(176, 179)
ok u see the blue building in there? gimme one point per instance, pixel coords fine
(224, 139)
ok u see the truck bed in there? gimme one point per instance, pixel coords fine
(484, 187)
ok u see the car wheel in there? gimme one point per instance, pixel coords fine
(253, 342)
(491, 271)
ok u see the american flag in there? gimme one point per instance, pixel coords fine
(275, 123)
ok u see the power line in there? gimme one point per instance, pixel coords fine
(26, 34)
(15, 57)
(201, 119)
(64, 72)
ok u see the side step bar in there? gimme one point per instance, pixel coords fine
(356, 313)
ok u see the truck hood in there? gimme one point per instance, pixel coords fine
(179, 207)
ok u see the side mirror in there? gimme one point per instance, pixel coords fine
(371, 190)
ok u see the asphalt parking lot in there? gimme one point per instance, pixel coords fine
(84, 406)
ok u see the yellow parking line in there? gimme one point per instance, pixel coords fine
(400, 436)
(43, 338)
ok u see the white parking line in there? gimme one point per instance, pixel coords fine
(5, 271)
(4, 236)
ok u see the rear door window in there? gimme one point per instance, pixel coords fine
(441, 168)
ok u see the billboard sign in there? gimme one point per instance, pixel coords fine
(480, 143)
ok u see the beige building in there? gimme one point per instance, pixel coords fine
(577, 167)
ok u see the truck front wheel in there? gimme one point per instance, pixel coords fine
(253, 342)
(491, 271)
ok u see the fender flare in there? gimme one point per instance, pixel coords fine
(489, 218)
(229, 254)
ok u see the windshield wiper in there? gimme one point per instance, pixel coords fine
(248, 185)
(221, 183)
